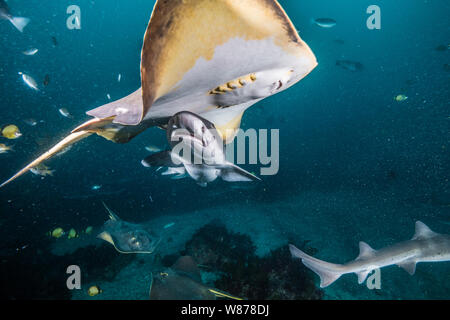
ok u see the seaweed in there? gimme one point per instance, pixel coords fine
(241, 272)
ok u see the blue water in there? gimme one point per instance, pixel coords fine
(354, 163)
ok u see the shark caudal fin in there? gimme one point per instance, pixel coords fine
(19, 22)
(67, 141)
(328, 272)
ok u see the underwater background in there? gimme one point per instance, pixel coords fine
(355, 164)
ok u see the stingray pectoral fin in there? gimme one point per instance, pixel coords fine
(231, 40)
(233, 173)
(67, 141)
(106, 236)
(126, 111)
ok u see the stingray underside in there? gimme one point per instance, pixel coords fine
(215, 58)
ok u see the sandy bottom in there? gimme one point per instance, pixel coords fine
(333, 222)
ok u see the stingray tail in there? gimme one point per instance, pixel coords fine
(112, 215)
(19, 22)
(67, 141)
(223, 295)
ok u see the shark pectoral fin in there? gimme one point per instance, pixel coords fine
(179, 175)
(67, 141)
(365, 251)
(233, 173)
(162, 159)
(362, 276)
(408, 266)
(328, 272)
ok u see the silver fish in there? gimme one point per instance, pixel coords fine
(325, 22)
(65, 113)
(29, 81)
(30, 52)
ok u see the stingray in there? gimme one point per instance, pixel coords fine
(182, 281)
(128, 237)
(215, 58)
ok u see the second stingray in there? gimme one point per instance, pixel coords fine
(128, 237)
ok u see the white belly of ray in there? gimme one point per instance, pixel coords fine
(275, 70)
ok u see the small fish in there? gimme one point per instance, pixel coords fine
(22, 247)
(401, 98)
(18, 22)
(89, 230)
(42, 170)
(11, 132)
(150, 197)
(64, 151)
(352, 66)
(56, 233)
(442, 47)
(30, 121)
(29, 81)
(96, 187)
(119, 77)
(72, 234)
(93, 291)
(55, 42)
(108, 96)
(152, 148)
(46, 80)
(167, 226)
(4, 148)
(30, 52)
(65, 113)
(325, 22)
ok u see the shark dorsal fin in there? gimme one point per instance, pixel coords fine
(365, 250)
(423, 232)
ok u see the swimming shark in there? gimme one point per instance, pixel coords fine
(425, 246)
(215, 58)
(204, 160)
